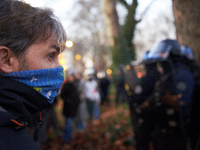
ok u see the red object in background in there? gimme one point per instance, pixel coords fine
(139, 74)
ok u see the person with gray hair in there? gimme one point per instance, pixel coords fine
(31, 39)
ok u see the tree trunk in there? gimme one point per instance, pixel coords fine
(129, 27)
(112, 21)
(115, 37)
(187, 22)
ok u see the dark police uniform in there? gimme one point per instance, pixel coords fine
(142, 102)
(172, 97)
(173, 109)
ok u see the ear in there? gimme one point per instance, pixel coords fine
(7, 60)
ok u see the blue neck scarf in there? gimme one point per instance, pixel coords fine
(45, 81)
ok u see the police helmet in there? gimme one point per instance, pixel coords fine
(145, 56)
(146, 60)
(163, 50)
(187, 52)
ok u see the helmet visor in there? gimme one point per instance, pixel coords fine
(160, 51)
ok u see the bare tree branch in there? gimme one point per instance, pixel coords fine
(123, 2)
(145, 11)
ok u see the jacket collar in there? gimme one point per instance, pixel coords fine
(20, 100)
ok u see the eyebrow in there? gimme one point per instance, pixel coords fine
(56, 47)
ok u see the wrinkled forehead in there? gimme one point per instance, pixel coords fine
(56, 38)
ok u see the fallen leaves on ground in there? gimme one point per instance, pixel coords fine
(112, 131)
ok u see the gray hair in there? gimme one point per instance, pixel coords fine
(22, 25)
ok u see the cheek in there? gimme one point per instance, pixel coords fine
(53, 63)
(15, 64)
(43, 63)
(48, 63)
(36, 62)
(57, 63)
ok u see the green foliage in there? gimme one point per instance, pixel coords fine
(120, 54)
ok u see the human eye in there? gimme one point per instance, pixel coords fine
(51, 55)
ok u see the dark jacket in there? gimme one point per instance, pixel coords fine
(70, 95)
(18, 103)
(145, 86)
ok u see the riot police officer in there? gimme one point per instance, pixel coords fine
(194, 130)
(142, 99)
(173, 97)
